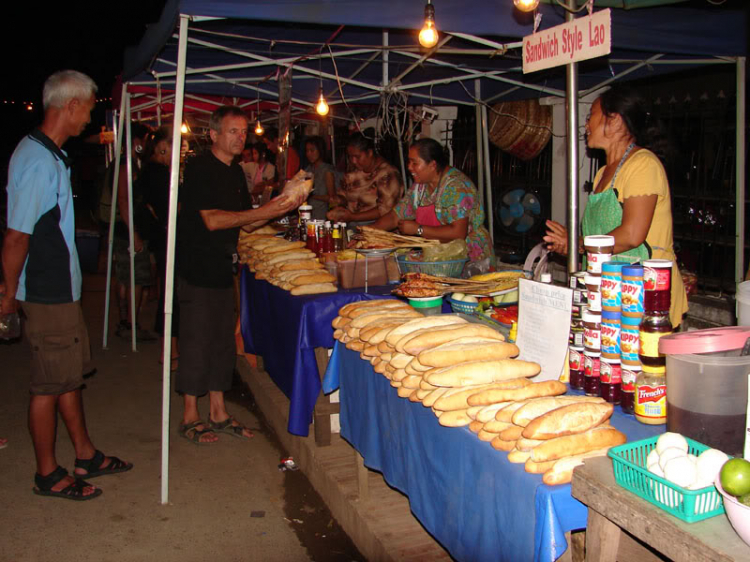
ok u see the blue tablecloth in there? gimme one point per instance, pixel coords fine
(467, 495)
(285, 330)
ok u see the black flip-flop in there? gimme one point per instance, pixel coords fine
(93, 466)
(73, 491)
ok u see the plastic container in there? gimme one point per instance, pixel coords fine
(738, 514)
(381, 270)
(629, 465)
(429, 306)
(450, 268)
(461, 306)
(707, 387)
(743, 303)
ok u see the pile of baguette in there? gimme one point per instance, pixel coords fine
(468, 375)
(288, 265)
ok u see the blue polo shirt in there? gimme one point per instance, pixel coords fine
(40, 203)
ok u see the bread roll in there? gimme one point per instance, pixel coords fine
(567, 420)
(481, 372)
(456, 418)
(569, 445)
(428, 322)
(435, 338)
(517, 457)
(451, 353)
(562, 471)
(534, 390)
(535, 408)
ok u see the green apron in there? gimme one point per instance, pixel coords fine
(604, 213)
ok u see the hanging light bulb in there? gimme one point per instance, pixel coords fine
(259, 128)
(526, 5)
(322, 107)
(184, 129)
(428, 37)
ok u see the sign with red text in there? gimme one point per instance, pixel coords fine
(581, 39)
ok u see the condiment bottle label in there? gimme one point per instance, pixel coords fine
(591, 366)
(649, 343)
(651, 402)
(656, 279)
(632, 297)
(575, 360)
(592, 338)
(611, 338)
(595, 261)
(595, 301)
(610, 373)
(630, 344)
(628, 379)
(610, 292)
(580, 296)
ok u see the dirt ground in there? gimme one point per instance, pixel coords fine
(227, 501)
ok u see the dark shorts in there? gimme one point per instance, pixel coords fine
(207, 347)
(60, 348)
(142, 262)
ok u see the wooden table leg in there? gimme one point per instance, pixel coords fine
(602, 538)
(363, 485)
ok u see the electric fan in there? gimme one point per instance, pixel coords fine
(519, 211)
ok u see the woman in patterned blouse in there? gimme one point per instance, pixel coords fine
(442, 204)
(371, 190)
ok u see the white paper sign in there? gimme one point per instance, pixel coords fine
(581, 39)
(544, 326)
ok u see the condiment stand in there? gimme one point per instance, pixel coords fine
(376, 252)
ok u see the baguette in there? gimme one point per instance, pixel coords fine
(401, 360)
(338, 333)
(451, 353)
(456, 418)
(379, 368)
(422, 394)
(371, 350)
(379, 336)
(347, 308)
(482, 372)
(367, 319)
(399, 375)
(296, 265)
(423, 384)
(410, 381)
(355, 345)
(357, 312)
(386, 357)
(384, 347)
(428, 340)
(534, 467)
(314, 289)
(524, 444)
(562, 471)
(506, 414)
(487, 413)
(277, 248)
(535, 408)
(309, 278)
(428, 322)
(404, 392)
(501, 445)
(414, 396)
(417, 366)
(476, 426)
(485, 435)
(567, 420)
(569, 445)
(517, 457)
(496, 427)
(457, 397)
(534, 390)
(369, 332)
(472, 411)
(513, 433)
(290, 256)
(431, 398)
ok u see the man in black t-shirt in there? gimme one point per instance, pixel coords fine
(214, 202)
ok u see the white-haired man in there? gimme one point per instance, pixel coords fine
(43, 275)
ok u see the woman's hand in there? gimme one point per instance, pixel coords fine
(339, 214)
(556, 238)
(408, 228)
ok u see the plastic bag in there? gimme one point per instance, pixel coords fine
(298, 188)
(453, 250)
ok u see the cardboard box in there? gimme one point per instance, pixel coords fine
(381, 270)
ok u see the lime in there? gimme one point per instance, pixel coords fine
(735, 477)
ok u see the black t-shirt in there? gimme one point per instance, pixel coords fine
(204, 258)
(153, 187)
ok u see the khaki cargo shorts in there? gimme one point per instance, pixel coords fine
(60, 348)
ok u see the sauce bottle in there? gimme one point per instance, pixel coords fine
(651, 396)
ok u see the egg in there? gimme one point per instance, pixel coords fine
(709, 464)
(470, 298)
(656, 469)
(458, 296)
(681, 471)
(669, 439)
(652, 458)
(692, 458)
(669, 454)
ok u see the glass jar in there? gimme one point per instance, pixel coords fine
(598, 250)
(610, 380)
(591, 373)
(576, 366)
(651, 396)
(627, 388)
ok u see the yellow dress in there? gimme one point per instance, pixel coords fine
(643, 174)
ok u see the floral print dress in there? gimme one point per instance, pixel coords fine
(455, 198)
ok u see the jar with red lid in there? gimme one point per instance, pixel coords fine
(576, 366)
(627, 387)
(657, 285)
(591, 373)
(610, 380)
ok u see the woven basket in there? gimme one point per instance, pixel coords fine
(521, 128)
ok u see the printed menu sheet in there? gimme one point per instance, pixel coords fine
(544, 326)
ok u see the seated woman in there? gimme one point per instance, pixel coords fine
(442, 204)
(631, 199)
(371, 190)
(324, 176)
(258, 171)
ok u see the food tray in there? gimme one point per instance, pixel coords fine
(629, 464)
(450, 268)
(460, 306)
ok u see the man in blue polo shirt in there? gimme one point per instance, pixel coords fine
(43, 276)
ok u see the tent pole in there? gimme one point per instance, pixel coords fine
(739, 154)
(486, 146)
(480, 149)
(385, 58)
(171, 232)
(113, 212)
(127, 132)
(571, 96)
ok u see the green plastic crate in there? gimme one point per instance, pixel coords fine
(629, 464)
